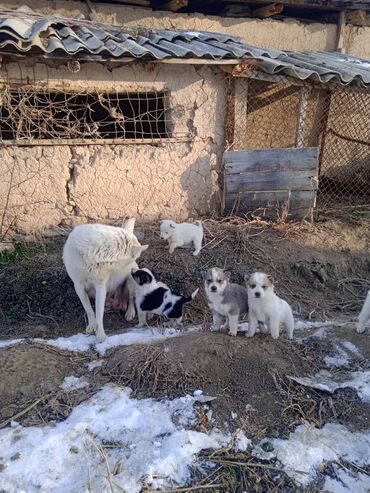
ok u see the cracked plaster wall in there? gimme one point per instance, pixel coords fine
(71, 183)
(268, 33)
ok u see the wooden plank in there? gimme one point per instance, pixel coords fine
(277, 180)
(271, 160)
(173, 5)
(268, 10)
(319, 4)
(340, 32)
(304, 97)
(250, 200)
(240, 121)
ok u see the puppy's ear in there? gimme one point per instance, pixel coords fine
(136, 251)
(129, 224)
(271, 279)
(203, 273)
(247, 277)
(172, 226)
(227, 274)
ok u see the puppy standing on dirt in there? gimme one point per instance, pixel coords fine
(225, 299)
(182, 235)
(153, 297)
(364, 316)
(265, 306)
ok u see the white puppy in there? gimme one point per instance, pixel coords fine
(364, 316)
(98, 259)
(182, 235)
(266, 307)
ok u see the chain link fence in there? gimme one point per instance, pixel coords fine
(337, 121)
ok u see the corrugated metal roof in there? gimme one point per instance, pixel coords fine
(25, 31)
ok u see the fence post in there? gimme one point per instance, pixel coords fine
(304, 94)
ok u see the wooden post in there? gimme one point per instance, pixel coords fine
(302, 114)
(340, 32)
(241, 102)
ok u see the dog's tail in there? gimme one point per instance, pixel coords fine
(188, 299)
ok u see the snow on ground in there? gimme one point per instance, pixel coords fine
(345, 482)
(340, 358)
(324, 380)
(81, 343)
(134, 439)
(74, 383)
(308, 448)
(96, 363)
(10, 342)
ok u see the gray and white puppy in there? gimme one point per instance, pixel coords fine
(225, 299)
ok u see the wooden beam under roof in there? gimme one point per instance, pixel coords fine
(268, 10)
(316, 4)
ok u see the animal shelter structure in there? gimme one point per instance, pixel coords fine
(100, 121)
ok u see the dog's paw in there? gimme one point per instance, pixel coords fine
(90, 329)
(249, 334)
(232, 333)
(101, 337)
(215, 328)
(195, 254)
(130, 314)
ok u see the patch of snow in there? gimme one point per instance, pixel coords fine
(83, 342)
(307, 324)
(307, 448)
(320, 334)
(344, 482)
(233, 415)
(341, 358)
(78, 343)
(242, 442)
(147, 439)
(96, 363)
(198, 392)
(351, 348)
(74, 383)
(358, 380)
(10, 342)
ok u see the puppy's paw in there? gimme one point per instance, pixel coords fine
(195, 253)
(249, 334)
(232, 333)
(215, 328)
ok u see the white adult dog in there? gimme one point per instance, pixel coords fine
(98, 259)
(265, 306)
(182, 234)
(364, 316)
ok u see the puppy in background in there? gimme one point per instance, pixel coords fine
(364, 316)
(225, 299)
(265, 306)
(153, 297)
(182, 235)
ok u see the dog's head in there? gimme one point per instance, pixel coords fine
(259, 285)
(216, 280)
(143, 277)
(167, 228)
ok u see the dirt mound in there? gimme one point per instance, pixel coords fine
(32, 373)
(241, 373)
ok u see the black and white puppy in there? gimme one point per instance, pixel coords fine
(156, 297)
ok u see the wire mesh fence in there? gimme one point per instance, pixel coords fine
(337, 121)
(35, 116)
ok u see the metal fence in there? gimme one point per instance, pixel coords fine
(337, 121)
